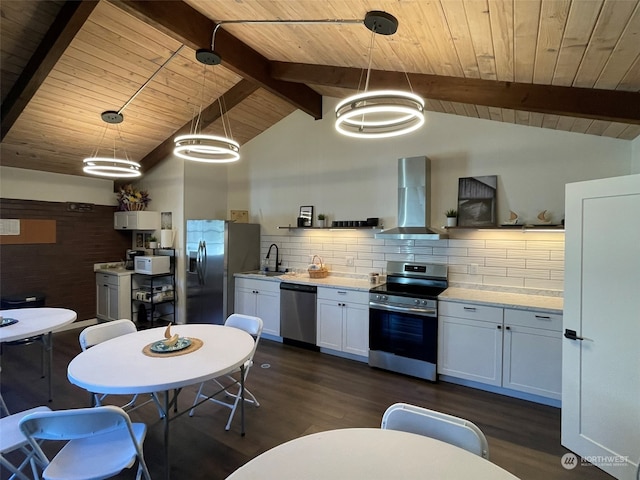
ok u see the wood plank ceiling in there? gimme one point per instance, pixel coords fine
(569, 65)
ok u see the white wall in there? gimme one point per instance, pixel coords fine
(300, 161)
(635, 156)
(18, 183)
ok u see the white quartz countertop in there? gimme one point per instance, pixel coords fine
(113, 268)
(519, 301)
(332, 281)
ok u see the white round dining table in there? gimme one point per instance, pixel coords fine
(121, 366)
(36, 322)
(368, 453)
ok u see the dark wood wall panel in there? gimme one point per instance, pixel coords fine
(63, 271)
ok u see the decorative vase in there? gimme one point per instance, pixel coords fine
(452, 221)
(321, 223)
(153, 245)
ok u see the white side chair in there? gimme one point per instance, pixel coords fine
(253, 326)
(12, 439)
(102, 332)
(454, 430)
(101, 442)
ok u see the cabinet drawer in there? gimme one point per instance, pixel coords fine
(471, 311)
(343, 295)
(527, 318)
(260, 285)
(106, 279)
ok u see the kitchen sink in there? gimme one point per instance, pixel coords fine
(273, 274)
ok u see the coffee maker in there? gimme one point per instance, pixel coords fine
(131, 255)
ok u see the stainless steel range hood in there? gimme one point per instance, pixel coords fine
(414, 189)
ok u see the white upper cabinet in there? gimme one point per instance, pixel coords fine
(136, 220)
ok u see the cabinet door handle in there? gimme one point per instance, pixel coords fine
(469, 309)
(340, 292)
(543, 317)
(507, 328)
(572, 335)
(499, 327)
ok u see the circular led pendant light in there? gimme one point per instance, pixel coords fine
(206, 148)
(199, 147)
(383, 113)
(111, 167)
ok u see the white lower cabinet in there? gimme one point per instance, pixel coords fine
(113, 296)
(343, 320)
(259, 298)
(470, 342)
(533, 353)
(515, 349)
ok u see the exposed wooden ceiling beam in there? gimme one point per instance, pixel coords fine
(609, 105)
(190, 27)
(232, 97)
(71, 18)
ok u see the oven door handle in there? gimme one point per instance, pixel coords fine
(416, 311)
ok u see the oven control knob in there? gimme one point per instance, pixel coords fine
(424, 302)
(417, 302)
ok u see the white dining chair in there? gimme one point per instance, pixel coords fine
(102, 332)
(101, 442)
(12, 439)
(441, 426)
(253, 326)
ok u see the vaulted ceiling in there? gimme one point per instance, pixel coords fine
(569, 65)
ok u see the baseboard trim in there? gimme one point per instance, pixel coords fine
(552, 402)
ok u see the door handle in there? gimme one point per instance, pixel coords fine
(571, 335)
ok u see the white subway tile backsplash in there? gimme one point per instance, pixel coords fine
(487, 252)
(539, 254)
(505, 262)
(548, 264)
(461, 252)
(399, 257)
(464, 278)
(499, 262)
(431, 259)
(544, 284)
(466, 260)
(495, 271)
(503, 281)
(506, 244)
(542, 245)
(465, 243)
(528, 273)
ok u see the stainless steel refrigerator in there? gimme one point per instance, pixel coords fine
(216, 250)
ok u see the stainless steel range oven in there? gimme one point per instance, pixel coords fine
(403, 319)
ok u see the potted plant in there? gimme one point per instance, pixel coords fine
(321, 219)
(153, 242)
(452, 217)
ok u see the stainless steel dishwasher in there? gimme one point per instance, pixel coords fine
(298, 312)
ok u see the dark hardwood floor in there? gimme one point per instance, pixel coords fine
(302, 392)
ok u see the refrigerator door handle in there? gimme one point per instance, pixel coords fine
(199, 263)
(204, 261)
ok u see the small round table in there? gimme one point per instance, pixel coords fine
(36, 322)
(363, 453)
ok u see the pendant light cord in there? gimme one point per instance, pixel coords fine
(142, 87)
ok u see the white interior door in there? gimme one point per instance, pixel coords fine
(601, 372)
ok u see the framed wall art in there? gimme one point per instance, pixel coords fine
(306, 216)
(477, 201)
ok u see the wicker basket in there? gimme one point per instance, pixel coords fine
(321, 272)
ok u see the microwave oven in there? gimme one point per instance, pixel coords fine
(152, 265)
